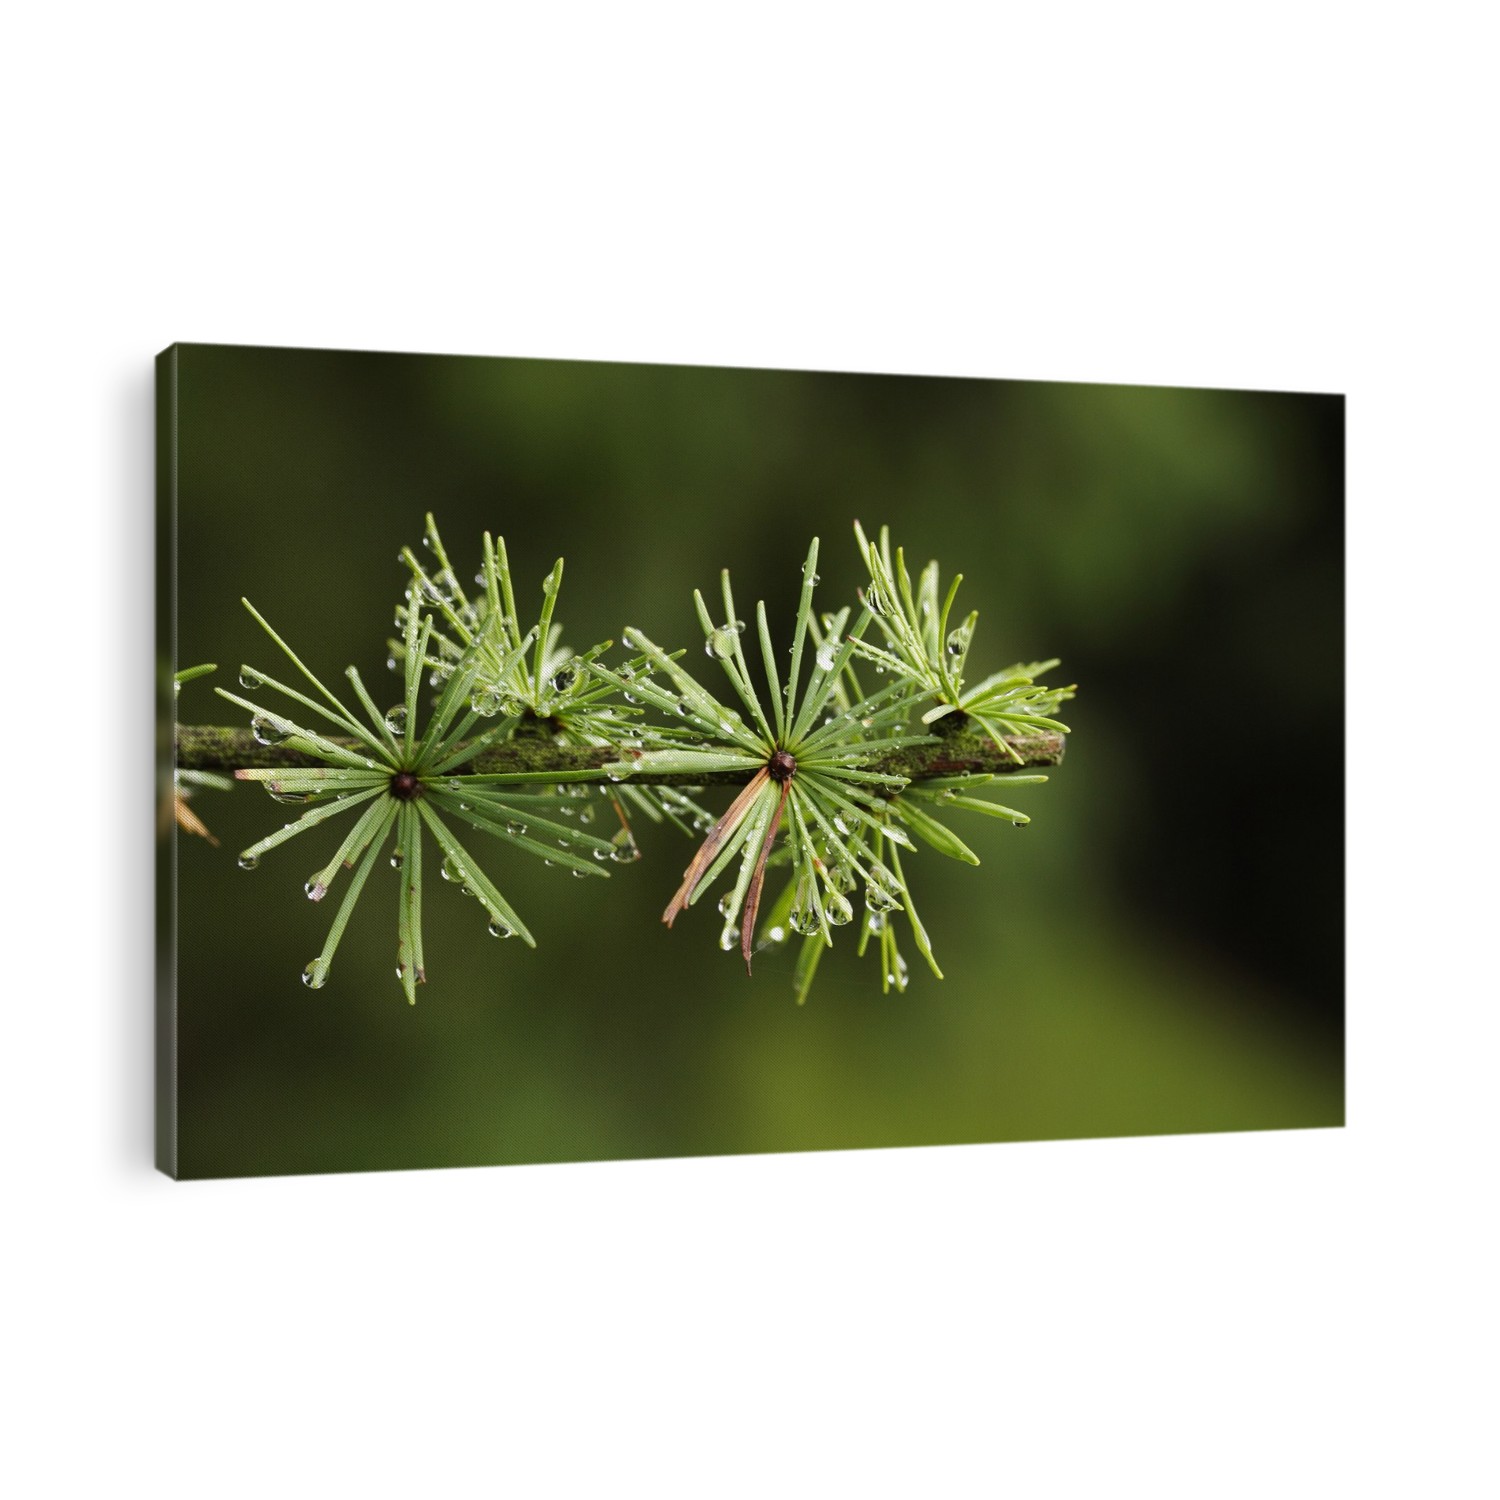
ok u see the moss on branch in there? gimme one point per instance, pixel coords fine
(966, 750)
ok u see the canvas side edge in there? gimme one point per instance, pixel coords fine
(166, 713)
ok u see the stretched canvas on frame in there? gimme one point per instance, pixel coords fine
(1134, 959)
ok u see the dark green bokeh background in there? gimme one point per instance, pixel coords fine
(1161, 951)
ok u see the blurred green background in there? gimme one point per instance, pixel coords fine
(1161, 951)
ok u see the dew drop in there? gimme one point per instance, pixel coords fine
(294, 799)
(314, 890)
(485, 701)
(721, 642)
(397, 860)
(623, 848)
(882, 894)
(251, 679)
(838, 910)
(827, 655)
(563, 678)
(452, 870)
(958, 641)
(515, 827)
(803, 920)
(727, 937)
(249, 861)
(501, 929)
(315, 975)
(395, 719)
(269, 731)
(726, 904)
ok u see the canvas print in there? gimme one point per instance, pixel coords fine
(567, 761)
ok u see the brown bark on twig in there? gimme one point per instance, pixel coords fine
(202, 747)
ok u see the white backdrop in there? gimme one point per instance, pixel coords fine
(1293, 196)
